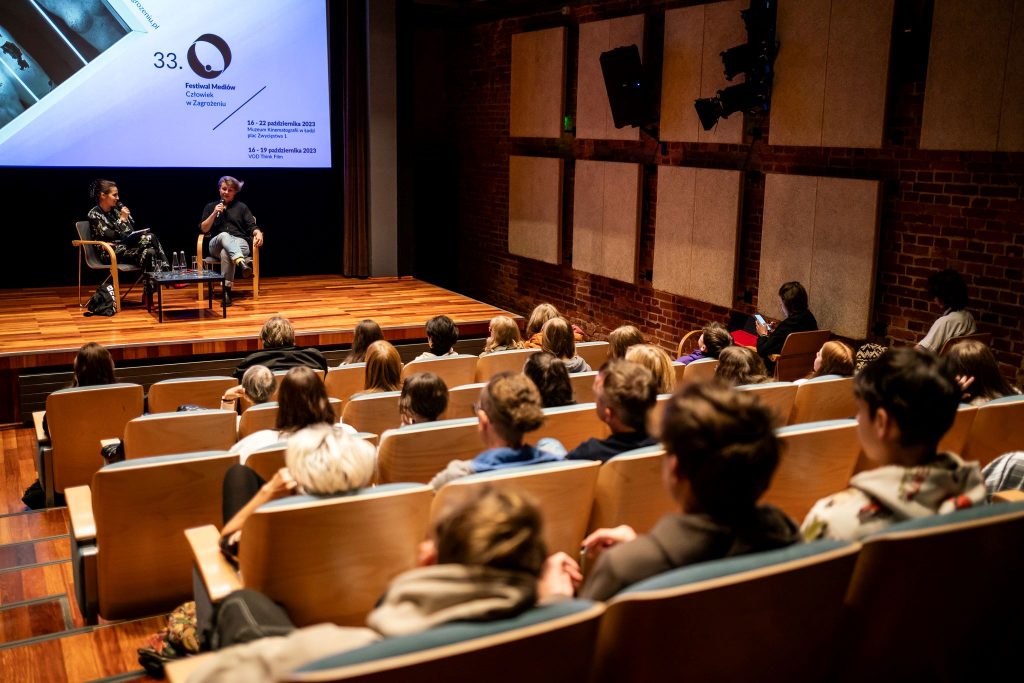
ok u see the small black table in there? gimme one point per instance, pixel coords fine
(190, 277)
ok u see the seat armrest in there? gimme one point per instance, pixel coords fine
(98, 243)
(1008, 496)
(218, 575)
(83, 523)
(42, 438)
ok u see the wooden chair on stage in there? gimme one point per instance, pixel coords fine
(374, 412)
(996, 430)
(128, 550)
(796, 359)
(184, 432)
(564, 492)
(166, 395)
(345, 380)
(778, 397)
(955, 440)
(828, 397)
(211, 263)
(583, 386)
(701, 370)
(418, 452)
(571, 425)
(630, 491)
(594, 352)
(984, 337)
(321, 558)
(461, 400)
(87, 249)
(454, 370)
(489, 365)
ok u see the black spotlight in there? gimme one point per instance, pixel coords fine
(627, 88)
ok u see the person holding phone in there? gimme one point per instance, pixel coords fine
(798, 318)
(111, 221)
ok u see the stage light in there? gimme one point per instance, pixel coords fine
(738, 60)
(743, 97)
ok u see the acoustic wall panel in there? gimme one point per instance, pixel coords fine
(972, 98)
(697, 233)
(538, 84)
(831, 73)
(593, 113)
(692, 68)
(606, 219)
(822, 232)
(535, 208)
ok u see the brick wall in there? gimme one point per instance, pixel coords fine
(940, 209)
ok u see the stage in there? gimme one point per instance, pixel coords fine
(43, 328)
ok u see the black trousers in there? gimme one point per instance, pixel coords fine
(240, 485)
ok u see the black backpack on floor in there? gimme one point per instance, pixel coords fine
(102, 302)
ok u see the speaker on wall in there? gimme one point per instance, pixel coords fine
(628, 91)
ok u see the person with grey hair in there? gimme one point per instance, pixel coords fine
(279, 350)
(258, 384)
(233, 233)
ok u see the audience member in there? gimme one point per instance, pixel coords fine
(978, 373)
(657, 360)
(834, 358)
(867, 354)
(621, 338)
(1005, 473)
(279, 350)
(424, 398)
(557, 338)
(721, 453)
(442, 334)
(906, 402)
(738, 365)
(93, 366)
(365, 334)
(624, 394)
(535, 324)
(509, 407)
(793, 300)
(714, 337)
(258, 384)
(481, 564)
(948, 288)
(551, 378)
(383, 368)
(503, 335)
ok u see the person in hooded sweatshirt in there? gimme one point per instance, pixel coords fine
(720, 455)
(906, 401)
(557, 338)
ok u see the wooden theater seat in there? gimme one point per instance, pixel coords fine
(454, 370)
(955, 440)
(185, 432)
(996, 430)
(796, 359)
(418, 452)
(345, 380)
(777, 397)
(268, 460)
(828, 397)
(461, 400)
(166, 395)
(373, 412)
(630, 490)
(491, 364)
(571, 425)
(264, 416)
(583, 386)
(702, 370)
(594, 352)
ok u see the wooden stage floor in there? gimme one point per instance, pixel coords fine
(45, 327)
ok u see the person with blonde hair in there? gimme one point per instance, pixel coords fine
(621, 338)
(383, 368)
(657, 360)
(503, 335)
(557, 339)
(535, 323)
(738, 365)
(508, 408)
(834, 358)
(977, 371)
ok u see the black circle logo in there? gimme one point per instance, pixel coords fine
(207, 70)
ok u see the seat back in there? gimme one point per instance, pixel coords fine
(454, 370)
(330, 559)
(823, 398)
(939, 573)
(501, 361)
(375, 413)
(657, 413)
(702, 370)
(92, 258)
(142, 508)
(187, 432)
(166, 395)
(689, 343)
(583, 386)
(78, 418)
(955, 439)
(678, 370)
(818, 459)
(268, 460)
(342, 382)
(572, 425)
(984, 337)
(594, 352)
(996, 430)
(418, 452)
(461, 400)
(796, 359)
(630, 491)
(264, 416)
(564, 492)
(770, 616)
(501, 651)
(775, 396)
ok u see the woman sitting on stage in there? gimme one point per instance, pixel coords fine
(111, 221)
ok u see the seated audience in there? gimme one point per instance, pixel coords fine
(279, 350)
(540, 315)
(833, 358)
(383, 369)
(503, 335)
(867, 354)
(365, 334)
(1005, 473)
(302, 401)
(557, 338)
(621, 338)
(657, 360)
(93, 366)
(424, 398)
(551, 378)
(713, 338)
(442, 334)
(793, 300)
(624, 394)
(738, 365)
(906, 402)
(481, 563)
(258, 384)
(977, 371)
(509, 407)
(721, 453)
(948, 288)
